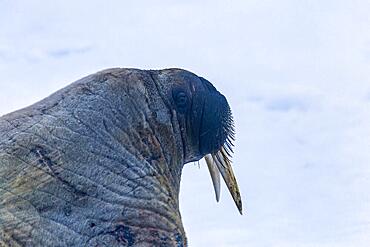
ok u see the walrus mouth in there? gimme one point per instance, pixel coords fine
(220, 162)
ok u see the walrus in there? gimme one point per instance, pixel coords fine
(98, 163)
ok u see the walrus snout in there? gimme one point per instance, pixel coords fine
(216, 140)
(216, 121)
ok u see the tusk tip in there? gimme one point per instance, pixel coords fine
(240, 210)
(239, 206)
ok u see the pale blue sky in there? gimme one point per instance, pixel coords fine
(297, 76)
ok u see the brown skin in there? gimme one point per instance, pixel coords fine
(99, 162)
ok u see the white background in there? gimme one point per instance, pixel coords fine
(296, 74)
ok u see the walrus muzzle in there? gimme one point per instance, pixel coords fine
(216, 136)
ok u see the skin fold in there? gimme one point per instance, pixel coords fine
(99, 162)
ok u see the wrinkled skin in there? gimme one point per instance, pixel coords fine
(99, 162)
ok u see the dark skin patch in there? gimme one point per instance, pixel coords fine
(123, 235)
(179, 240)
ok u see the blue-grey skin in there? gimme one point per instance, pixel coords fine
(99, 162)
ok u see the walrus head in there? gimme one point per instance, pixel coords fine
(206, 123)
(99, 162)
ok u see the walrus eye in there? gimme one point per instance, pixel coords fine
(181, 100)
